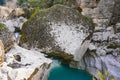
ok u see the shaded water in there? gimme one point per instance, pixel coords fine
(2, 2)
(64, 72)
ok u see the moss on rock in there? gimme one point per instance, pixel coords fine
(113, 46)
(58, 13)
(49, 3)
(2, 27)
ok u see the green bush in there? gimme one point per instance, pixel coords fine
(2, 27)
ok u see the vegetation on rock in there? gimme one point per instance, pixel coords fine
(2, 27)
(113, 46)
(44, 3)
(6, 37)
(104, 76)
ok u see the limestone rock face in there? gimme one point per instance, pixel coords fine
(2, 52)
(57, 29)
(7, 37)
(104, 50)
(22, 64)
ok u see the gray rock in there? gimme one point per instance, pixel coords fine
(104, 50)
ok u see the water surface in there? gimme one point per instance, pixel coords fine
(64, 72)
(2, 2)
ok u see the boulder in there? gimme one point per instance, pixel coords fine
(58, 29)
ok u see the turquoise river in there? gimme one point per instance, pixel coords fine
(64, 72)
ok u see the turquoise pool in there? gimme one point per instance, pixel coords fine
(64, 72)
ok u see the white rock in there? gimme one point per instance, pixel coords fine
(33, 65)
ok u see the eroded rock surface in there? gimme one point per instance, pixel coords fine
(104, 48)
(31, 65)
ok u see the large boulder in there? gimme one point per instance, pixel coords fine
(7, 37)
(58, 29)
(1, 52)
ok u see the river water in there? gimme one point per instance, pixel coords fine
(64, 72)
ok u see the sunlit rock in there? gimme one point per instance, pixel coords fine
(22, 64)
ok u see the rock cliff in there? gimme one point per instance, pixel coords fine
(104, 49)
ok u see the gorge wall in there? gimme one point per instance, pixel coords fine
(104, 49)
